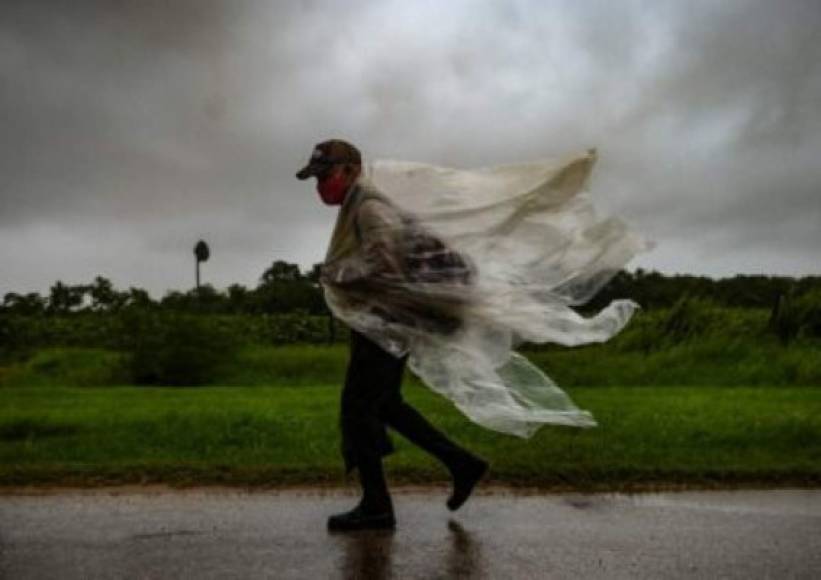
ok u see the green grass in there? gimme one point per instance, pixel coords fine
(81, 367)
(708, 361)
(281, 435)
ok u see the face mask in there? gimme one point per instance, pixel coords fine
(332, 189)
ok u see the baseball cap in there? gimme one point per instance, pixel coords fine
(329, 153)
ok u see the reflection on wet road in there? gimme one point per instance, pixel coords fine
(368, 554)
(231, 534)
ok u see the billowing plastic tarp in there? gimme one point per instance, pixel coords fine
(457, 267)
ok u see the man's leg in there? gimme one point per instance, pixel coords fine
(413, 426)
(363, 431)
(375, 508)
(363, 428)
(467, 469)
(372, 375)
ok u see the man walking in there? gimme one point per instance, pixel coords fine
(367, 245)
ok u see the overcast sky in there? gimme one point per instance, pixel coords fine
(132, 129)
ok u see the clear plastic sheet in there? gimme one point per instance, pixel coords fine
(458, 267)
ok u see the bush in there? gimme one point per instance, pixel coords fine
(783, 318)
(15, 338)
(22, 335)
(808, 311)
(175, 349)
(6, 337)
(794, 317)
(689, 317)
(67, 366)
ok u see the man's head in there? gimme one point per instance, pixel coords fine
(336, 164)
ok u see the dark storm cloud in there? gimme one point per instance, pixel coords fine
(132, 129)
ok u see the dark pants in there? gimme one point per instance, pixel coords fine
(371, 399)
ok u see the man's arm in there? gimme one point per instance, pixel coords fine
(379, 227)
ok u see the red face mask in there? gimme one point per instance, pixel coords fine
(332, 189)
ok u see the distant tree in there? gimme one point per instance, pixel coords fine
(285, 296)
(175, 300)
(202, 299)
(63, 298)
(319, 305)
(240, 299)
(103, 295)
(283, 288)
(207, 299)
(24, 304)
(313, 274)
(202, 253)
(138, 298)
(280, 271)
(656, 290)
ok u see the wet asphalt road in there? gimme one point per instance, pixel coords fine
(232, 534)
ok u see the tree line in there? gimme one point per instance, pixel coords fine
(284, 288)
(654, 290)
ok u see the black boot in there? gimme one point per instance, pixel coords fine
(375, 509)
(361, 519)
(465, 468)
(465, 479)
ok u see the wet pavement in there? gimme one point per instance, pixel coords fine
(217, 533)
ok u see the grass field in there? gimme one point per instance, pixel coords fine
(280, 435)
(709, 361)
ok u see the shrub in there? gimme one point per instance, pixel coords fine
(21, 335)
(689, 317)
(808, 311)
(175, 349)
(67, 366)
(793, 316)
(6, 337)
(15, 338)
